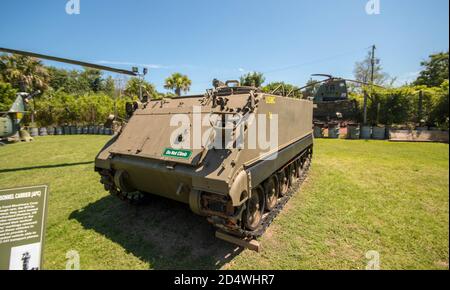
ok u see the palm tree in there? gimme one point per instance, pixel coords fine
(23, 72)
(178, 83)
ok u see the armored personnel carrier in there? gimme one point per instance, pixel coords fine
(235, 183)
(218, 161)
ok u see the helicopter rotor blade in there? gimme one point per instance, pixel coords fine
(333, 78)
(363, 83)
(69, 61)
(322, 75)
(311, 84)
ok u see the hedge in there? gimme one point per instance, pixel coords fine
(401, 105)
(59, 108)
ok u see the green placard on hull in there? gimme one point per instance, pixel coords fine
(22, 225)
(174, 153)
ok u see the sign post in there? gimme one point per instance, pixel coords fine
(23, 213)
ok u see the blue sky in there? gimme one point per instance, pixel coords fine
(286, 39)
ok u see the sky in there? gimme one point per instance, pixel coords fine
(287, 40)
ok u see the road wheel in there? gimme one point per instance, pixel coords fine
(284, 183)
(292, 174)
(308, 160)
(255, 209)
(271, 193)
(300, 167)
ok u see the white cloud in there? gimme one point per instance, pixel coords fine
(241, 70)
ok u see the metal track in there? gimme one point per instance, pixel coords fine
(108, 182)
(269, 217)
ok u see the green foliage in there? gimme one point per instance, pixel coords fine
(439, 114)
(71, 97)
(132, 89)
(178, 83)
(24, 73)
(401, 105)
(435, 70)
(253, 79)
(87, 97)
(93, 79)
(60, 108)
(7, 96)
(311, 89)
(79, 83)
(359, 99)
(120, 106)
(392, 106)
(55, 109)
(59, 78)
(108, 86)
(283, 89)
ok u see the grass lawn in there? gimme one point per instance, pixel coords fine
(360, 196)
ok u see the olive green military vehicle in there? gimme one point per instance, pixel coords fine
(238, 187)
(331, 99)
(11, 121)
(237, 181)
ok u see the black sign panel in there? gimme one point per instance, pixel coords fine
(22, 226)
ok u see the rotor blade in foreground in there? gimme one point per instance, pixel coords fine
(69, 61)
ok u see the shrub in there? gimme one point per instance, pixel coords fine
(401, 105)
(7, 96)
(60, 108)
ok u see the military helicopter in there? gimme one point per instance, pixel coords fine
(331, 99)
(332, 88)
(10, 122)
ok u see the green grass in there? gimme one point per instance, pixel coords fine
(360, 196)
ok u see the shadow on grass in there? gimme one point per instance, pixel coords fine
(45, 166)
(164, 233)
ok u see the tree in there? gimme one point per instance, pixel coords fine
(439, 114)
(108, 86)
(283, 89)
(363, 71)
(178, 82)
(311, 89)
(24, 73)
(132, 88)
(80, 83)
(93, 79)
(75, 84)
(7, 96)
(58, 78)
(435, 70)
(401, 105)
(253, 79)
